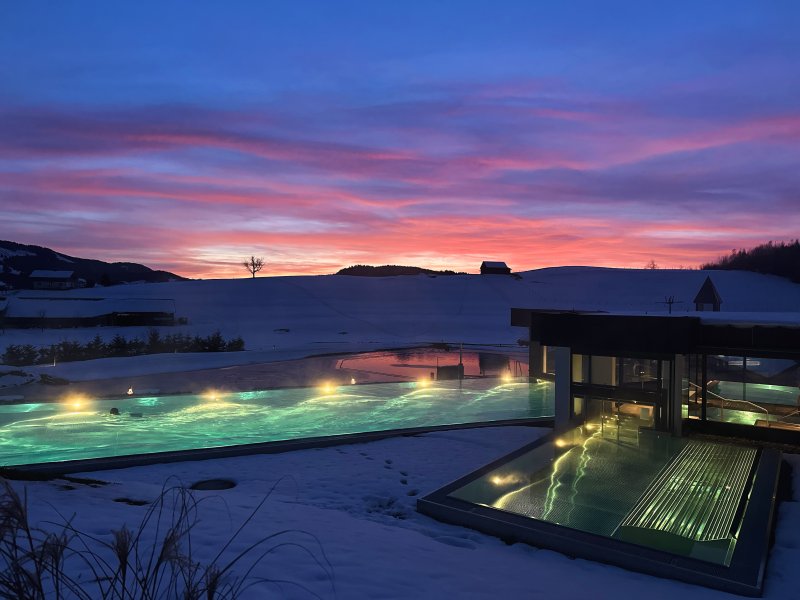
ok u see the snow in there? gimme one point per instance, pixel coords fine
(358, 501)
(7, 253)
(347, 314)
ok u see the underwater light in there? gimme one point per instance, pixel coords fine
(211, 396)
(510, 479)
(424, 383)
(76, 402)
(327, 388)
(560, 443)
(506, 377)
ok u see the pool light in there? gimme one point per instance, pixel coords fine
(76, 402)
(327, 388)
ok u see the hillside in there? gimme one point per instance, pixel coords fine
(17, 261)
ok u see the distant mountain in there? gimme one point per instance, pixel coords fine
(17, 261)
(390, 271)
(772, 258)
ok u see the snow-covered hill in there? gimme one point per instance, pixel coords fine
(294, 313)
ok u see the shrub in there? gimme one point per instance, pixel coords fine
(37, 564)
(65, 351)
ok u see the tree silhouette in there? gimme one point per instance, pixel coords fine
(253, 265)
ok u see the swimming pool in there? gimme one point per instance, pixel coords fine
(79, 427)
(682, 508)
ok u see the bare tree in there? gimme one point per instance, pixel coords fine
(253, 265)
(651, 265)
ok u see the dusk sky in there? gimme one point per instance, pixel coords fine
(189, 135)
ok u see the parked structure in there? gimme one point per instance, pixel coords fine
(708, 297)
(494, 268)
(55, 312)
(53, 280)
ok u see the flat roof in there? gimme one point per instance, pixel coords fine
(46, 274)
(765, 334)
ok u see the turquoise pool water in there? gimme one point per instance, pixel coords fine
(660, 491)
(81, 428)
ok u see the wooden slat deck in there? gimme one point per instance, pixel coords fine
(696, 496)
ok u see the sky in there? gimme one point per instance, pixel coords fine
(190, 135)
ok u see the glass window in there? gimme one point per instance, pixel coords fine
(604, 370)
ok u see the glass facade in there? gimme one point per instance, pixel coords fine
(752, 390)
(621, 394)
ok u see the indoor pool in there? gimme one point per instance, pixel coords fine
(79, 427)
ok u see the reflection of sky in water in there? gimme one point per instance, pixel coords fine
(86, 429)
(416, 363)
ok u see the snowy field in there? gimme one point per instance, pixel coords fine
(358, 502)
(283, 318)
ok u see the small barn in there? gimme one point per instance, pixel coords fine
(708, 297)
(489, 267)
(42, 279)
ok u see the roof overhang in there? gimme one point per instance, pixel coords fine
(620, 334)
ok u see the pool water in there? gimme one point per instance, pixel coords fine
(674, 494)
(82, 428)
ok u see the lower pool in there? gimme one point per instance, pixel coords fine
(82, 428)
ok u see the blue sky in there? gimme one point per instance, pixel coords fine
(187, 135)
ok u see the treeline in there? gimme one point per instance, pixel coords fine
(772, 258)
(26, 354)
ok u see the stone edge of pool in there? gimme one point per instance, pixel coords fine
(272, 447)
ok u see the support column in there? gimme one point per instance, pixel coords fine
(536, 366)
(676, 395)
(563, 387)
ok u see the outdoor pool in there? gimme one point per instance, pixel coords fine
(79, 427)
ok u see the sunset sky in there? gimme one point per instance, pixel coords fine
(190, 135)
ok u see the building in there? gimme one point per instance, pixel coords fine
(494, 268)
(708, 297)
(627, 476)
(53, 280)
(62, 311)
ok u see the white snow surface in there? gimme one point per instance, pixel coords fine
(358, 502)
(7, 252)
(287, 317)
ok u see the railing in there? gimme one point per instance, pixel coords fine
(723, 400)
(791, 414)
